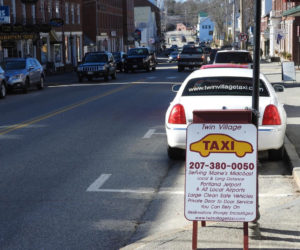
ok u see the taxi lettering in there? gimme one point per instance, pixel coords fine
(221, 143)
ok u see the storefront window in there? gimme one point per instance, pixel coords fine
(57, 53)
(44, 51)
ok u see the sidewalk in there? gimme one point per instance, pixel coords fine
(165, 228)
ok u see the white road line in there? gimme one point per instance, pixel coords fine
(97, 184)
(134, 191)
(171, 77)
(149, 134)
(293, 120)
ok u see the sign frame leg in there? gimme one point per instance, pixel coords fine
(246, 236)
(195, 235)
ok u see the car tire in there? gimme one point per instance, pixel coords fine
(106, 77)
(276, 154)
(114, 75)
(90, 78)
(41, 83)
(175, 153)
(26, 86)
(153, 68)
(3, 90)
(80, 78)
(148, 68)
(180, 68)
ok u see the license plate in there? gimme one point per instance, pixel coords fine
(134, 66)
(90, 73)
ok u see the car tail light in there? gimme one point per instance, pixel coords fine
(203, 57)
(271, 116)
(178, 57)
(177, 115)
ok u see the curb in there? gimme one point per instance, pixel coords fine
(294, 159)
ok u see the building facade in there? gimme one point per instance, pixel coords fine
(205, 28)
(50, 30)
(103, 25)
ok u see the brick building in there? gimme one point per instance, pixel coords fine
(35, 29)
(103, 24)
(284, 21)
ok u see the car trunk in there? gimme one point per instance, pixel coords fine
(192, 103)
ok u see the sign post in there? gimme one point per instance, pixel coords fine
(221, 169)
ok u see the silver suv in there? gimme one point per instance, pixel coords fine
(22, 73)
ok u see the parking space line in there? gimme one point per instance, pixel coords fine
(149, 133)
(97, 184)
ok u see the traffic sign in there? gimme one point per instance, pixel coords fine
(243, 37)
(221, 172)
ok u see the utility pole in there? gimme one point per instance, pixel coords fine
(242, 22)
(233, 21)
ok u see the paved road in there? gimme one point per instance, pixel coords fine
(77, 168)
(84, 166)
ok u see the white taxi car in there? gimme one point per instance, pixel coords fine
(218, 88)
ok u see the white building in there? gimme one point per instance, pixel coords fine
(144, 19)
(205, 27)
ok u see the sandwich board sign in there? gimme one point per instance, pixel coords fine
(221, 172)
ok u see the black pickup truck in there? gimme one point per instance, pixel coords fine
(191, 57)
(140, 58)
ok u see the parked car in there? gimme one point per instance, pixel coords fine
(212, 55)
(97, 64)
(140, 58)
(168, 51)
(120, 58)
(224, 88)
(173, 57)
(191, 57)
(3, 86)
(23, 73)
(233, 56)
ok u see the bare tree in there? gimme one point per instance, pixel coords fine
(218, 12)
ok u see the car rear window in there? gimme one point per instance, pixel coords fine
(233, 57)
(218, 86)
(140, 51)
(192, 50)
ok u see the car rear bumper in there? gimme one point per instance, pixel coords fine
(271, 137)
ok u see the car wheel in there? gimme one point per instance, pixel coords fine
(153, 68)
(114, 75)
(276, 154)
(175, 153)
(106, 77)
(2, 90)
(180, 69)
(41, 83)
(148, 68)
(90, 78)
(80, 79)
(26, 86)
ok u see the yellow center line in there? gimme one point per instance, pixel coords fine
(62, 110)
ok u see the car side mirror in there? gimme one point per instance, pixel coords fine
(278, 88)
(176, 87)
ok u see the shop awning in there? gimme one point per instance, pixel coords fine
(88, 41)
(292, 12)
(53, 37)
